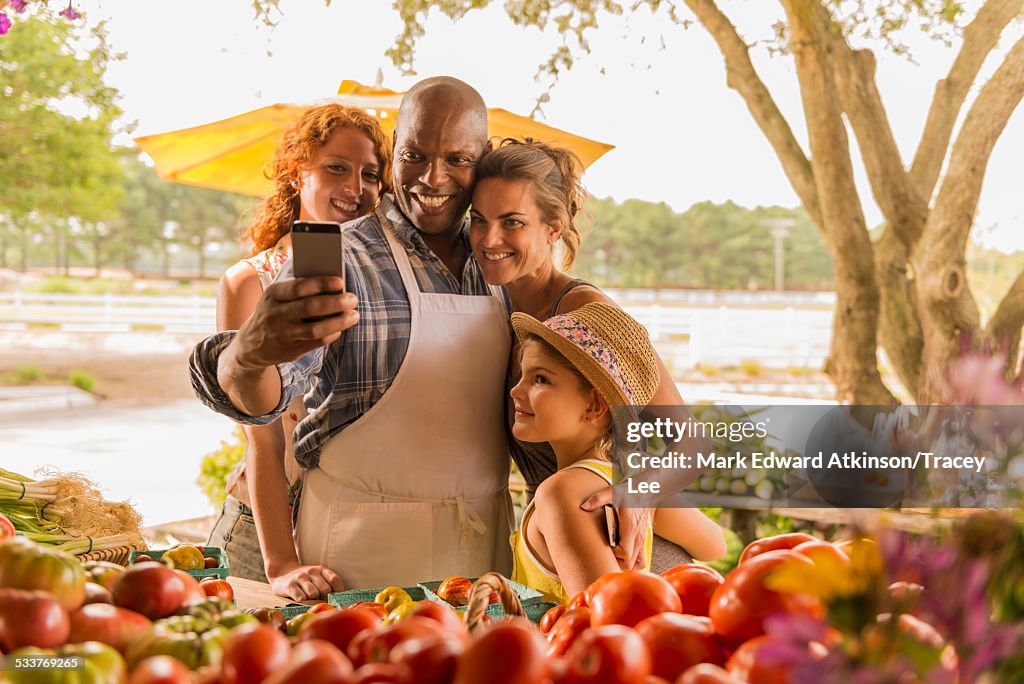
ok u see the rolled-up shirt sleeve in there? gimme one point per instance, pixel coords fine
(295, 377)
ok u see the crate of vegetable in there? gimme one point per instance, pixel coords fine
(198, 561)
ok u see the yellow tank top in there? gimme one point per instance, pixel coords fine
(529, 570)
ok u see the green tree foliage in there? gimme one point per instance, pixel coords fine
(713, 246)
(57, 118)
(197, 216)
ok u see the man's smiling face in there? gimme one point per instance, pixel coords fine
(438, 142)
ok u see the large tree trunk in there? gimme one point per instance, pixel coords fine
(853, 364)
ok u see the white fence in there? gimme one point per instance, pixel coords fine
(107, 313)
(775, 329)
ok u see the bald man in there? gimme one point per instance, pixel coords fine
(404, 449)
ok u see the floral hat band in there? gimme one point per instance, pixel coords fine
(577, 332)
(604, 343)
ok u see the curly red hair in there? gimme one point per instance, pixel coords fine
(276, 213)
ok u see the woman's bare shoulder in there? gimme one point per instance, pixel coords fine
(581, 295)
(237, 293)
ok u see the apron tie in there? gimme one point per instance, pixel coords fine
(469, 519)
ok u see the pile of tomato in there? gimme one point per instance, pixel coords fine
(688, 625)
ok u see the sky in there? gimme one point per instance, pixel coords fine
(653, 89)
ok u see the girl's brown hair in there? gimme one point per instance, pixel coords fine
(275, 215)
(555, 175)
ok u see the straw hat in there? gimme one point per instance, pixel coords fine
(606, 345)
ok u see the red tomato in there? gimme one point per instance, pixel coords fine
(510, 652)
(377, 608)
(629, 597)
(31, 618)
(551, 617)
(321, 607)
(707, 674)
(160, 669)
(565, 630)
(6, 528)
(740, 605)
(27, 565)
(377, 673)
(694, 583)
(455, 590)
(612, 654)
(749, 663)
(577, 601)
(94, 593)
(447, 617)
(193, 592)
(252, 652)
(589, 592)
(117, 627)
(428, 659)
(314, 662)
(776, 543)
(339, 627)
(678, 642)
(218, 589)
(152, 589)
(377, 648)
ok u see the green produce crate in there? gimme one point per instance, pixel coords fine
(525, 594)
(347, 598)
(222, 571)
(292, 610)
(535, 611)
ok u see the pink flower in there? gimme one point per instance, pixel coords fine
(18, 5)
(5, 24)
(69, 12)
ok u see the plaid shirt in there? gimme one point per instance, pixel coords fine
(343, 380)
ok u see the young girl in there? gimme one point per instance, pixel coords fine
(575, 367)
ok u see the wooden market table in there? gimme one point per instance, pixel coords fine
(252, 594)
(740, 514)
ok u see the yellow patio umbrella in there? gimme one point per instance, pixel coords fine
(231, 154)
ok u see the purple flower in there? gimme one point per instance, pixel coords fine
(5, 24)
(69, 12)
(18, 5)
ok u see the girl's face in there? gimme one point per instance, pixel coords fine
(506, 231)
(551, 404)
(342, 180)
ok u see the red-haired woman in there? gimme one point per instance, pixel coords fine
(331, 165)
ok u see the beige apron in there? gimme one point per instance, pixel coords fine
(416, 489)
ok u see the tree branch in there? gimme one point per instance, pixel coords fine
(903, 206)
(950, 221)
(980, 37)
(1004, 329)
(743, 78)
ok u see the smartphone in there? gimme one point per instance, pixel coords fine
(317, 251)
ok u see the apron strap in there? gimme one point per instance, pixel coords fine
(398, 251)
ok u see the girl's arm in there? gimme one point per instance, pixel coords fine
(690, 528)
(237, 294)
(574, 539)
